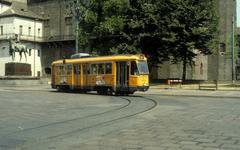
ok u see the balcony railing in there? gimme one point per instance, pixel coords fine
(38, 38)
(59, 38)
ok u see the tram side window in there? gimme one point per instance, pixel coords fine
(57, 70)
(134, 69)
(86, 69)
(108, 68)
(69, 69)
(62, 70)
(100, 69)
(94, 69)
(77, 69)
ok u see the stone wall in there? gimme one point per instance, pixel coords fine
(220, 66)
(168, 70)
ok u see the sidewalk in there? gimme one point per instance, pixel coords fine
(221, 87)
(224, 90)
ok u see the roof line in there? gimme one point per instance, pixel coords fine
(18, 15)
(5, 2)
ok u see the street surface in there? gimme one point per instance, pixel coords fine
(39, 118)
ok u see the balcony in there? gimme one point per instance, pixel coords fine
(59, 38)
(39, 39)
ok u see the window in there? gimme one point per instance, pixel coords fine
(86, 69)
(77, 69)
(20, 30)
(39, 31)
(222, 48)
(38, 53)
(93, 69)
(29, 31)
(46, 23)
(143, 67)
(62, 70)
(134, 69)
(68, 20)
(201, 69)
(69, 69)
(100, 69)
(108, 68)
(30, 52)
(1, 30)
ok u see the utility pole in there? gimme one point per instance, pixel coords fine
(77, 28)
(77, 8)
(233, 44)
(77, 20)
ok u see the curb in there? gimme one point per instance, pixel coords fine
(185, 95)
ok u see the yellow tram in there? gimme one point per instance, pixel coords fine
(119, 74)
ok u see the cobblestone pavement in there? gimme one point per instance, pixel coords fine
(182, 120)
(185, 123)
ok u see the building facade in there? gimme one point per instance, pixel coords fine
(17, 22)
(221, 64)
(59, 27)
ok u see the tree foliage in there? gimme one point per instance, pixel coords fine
(102, 22)
(160, 29)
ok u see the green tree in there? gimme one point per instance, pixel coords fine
(102, 23)
(146, 30)
(160, 29)
(170, 28)
(195, 26)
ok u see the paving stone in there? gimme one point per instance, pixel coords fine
(230, 146)
(192, 147)
(227, 141)
(204, 140)
(184, 138)
(188, 143)
(210, 148)
(213, 145)
(155, 148)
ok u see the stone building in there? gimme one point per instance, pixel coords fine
(21, 24)
(59, 27)
(220, 62)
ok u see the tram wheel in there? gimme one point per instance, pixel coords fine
(58, 88)
(109, 91)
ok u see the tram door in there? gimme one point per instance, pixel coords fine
(123, 76)
(77, 73)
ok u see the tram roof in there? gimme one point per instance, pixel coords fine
(102, 58)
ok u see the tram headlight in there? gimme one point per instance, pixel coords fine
(141, 57)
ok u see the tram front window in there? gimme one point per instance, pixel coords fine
(134, 68)
(143, 67)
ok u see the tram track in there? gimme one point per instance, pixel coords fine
(78, 118)
(66, 129)
(111, 121)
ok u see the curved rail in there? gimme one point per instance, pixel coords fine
(135, 105)
(113, 120)
(70, 120)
